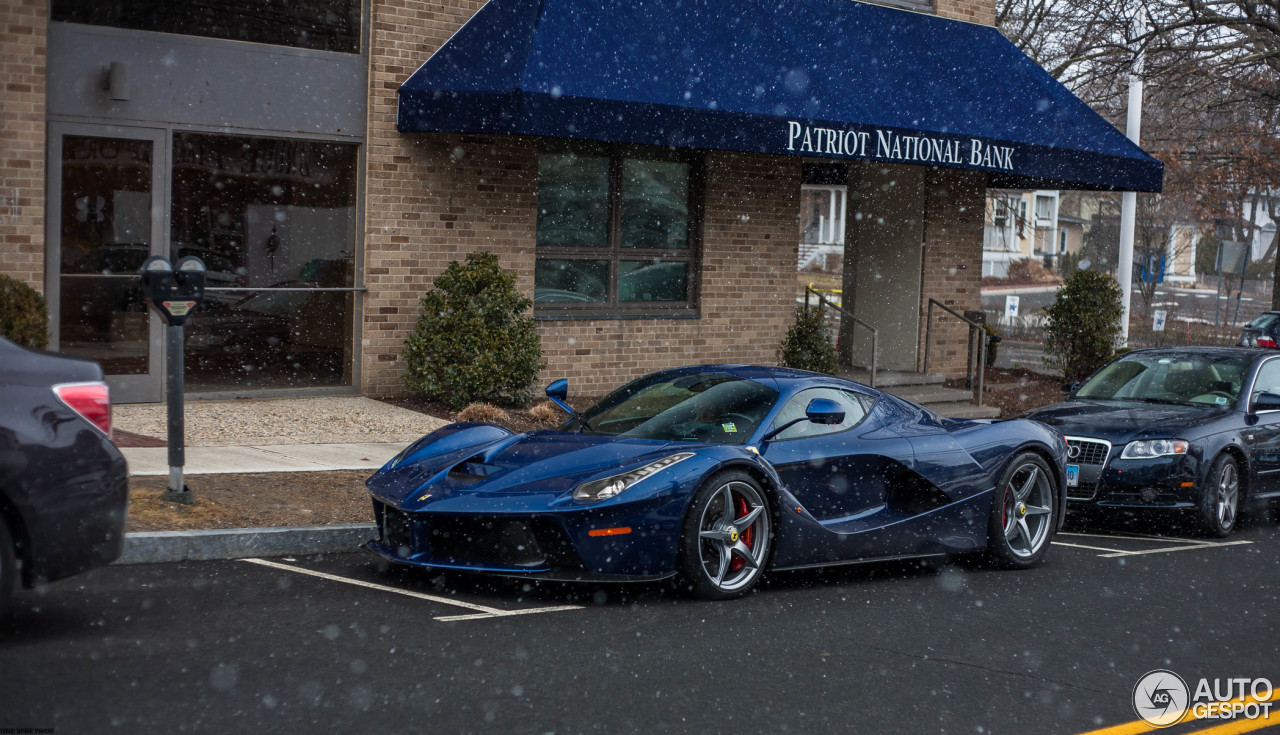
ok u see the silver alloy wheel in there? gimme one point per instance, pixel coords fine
(1228, 495)
(733, 536)
(1026, 510)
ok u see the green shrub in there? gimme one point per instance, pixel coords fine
(24, 318)
(473, 341)
(1082, 324)
(808, 345)
(993, 343)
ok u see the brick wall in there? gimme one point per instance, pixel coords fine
(433, 199)
(974, 11)
(22, 68)
(952, 263)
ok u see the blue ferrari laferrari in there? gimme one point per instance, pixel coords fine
(714, 474)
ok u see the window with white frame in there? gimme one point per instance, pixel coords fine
(822, 213)
(1044, 210)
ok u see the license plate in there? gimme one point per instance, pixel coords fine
(1073, 475)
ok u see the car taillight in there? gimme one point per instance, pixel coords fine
(1266, 342)
(90, 400)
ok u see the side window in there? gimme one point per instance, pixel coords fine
(855, 409)
(1268, 379)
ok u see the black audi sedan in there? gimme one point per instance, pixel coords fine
(1189, 429)
(63, 483)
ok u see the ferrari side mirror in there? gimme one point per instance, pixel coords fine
(557, 392)
(824, 411)
(820, 411)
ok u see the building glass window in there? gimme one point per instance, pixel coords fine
(274, 221)
(822, 215)
(617, 233)
(324, 25)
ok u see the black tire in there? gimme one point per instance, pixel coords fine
(718, 560)
(1220, 498)
(1028, 489)
(8, 568)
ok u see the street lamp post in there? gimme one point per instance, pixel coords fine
(1129, 200)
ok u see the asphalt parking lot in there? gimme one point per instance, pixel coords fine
(337, 644)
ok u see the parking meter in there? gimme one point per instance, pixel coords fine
(173, 292)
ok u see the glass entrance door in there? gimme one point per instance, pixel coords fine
(105, 218)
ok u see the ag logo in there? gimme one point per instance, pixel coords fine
(1161, 698)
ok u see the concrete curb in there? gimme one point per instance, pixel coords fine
(153, 547)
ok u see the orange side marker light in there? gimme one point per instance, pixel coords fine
(622, 530)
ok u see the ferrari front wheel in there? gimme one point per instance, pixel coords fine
(1024, 513)
(725, 541)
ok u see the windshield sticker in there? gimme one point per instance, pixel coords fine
(1220, 400)
(729, 428)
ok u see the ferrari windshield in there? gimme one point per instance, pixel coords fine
(699, 407)
(1182, 377)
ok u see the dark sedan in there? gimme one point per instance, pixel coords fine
(1264, 331)
(63, 484)
(1194, 429)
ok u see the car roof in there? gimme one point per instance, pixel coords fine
(779, 375)
(1200, 350)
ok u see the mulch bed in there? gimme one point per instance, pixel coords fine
(1016, 390)
(518, 419)
(130, 439)
(252, 500)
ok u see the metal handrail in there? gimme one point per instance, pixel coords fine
(875, 333)
(981, 351)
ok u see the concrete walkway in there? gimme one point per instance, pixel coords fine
(267, 458)
(275, 434)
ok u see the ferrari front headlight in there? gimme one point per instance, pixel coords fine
(607, 487)
(1152, 448)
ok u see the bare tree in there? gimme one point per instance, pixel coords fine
(1239, 43)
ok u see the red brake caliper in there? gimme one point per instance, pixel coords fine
(747, 535)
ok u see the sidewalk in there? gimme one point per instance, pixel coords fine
(275, 435)
(151, 461)
(265, 436)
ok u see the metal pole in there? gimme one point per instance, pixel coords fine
(874, 339)
(982, 362)
(1129, 200)
(928, 332)
(177, 491)
(1217, 299)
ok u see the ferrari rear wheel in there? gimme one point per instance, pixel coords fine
(1024, 513)
(726, 537)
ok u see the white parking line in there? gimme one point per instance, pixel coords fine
(482, 611)
(1176, 548)
(1182, 544)
(1135, 537)
(1081, 546)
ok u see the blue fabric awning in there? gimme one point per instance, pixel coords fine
(823, 78)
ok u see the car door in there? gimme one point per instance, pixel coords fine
(841, 473)
(1261, 435)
